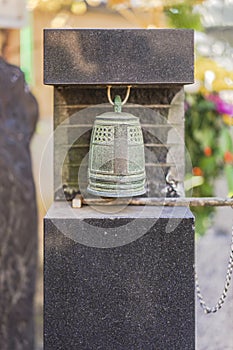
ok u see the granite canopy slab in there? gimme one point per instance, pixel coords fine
(118, 56)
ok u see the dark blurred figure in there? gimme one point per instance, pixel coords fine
(18, 214)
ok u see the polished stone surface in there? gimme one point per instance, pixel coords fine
(118, 56)
(119, 279)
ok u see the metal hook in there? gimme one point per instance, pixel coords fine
(126, 97)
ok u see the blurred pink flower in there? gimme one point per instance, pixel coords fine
(213, 98)
(222, 107)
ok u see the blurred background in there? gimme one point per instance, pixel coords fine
(209, 101)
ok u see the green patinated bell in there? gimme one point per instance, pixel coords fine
(116, 157)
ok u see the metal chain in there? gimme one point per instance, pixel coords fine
(207, 309)
(222, 298)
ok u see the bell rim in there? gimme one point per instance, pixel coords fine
(116, 194)
(115, 178)
(116, 186)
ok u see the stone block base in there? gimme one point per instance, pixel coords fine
(119, 278)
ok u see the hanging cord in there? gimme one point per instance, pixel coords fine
(126, 97)
(207, 309)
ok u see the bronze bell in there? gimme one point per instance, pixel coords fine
(116, 157)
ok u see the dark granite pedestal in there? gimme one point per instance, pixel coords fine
(18, 212)
(119, 278)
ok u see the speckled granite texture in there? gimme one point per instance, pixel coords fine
(136, 296)
(18, 213)
(118, 56)
(122, 278)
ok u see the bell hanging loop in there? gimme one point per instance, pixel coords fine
(116, 165)
(125, 99)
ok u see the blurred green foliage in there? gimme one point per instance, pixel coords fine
(209, 143)
(183, 16)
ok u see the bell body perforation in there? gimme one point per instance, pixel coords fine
(116, 156)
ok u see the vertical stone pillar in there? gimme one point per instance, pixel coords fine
(119, 278)
(18, 214)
